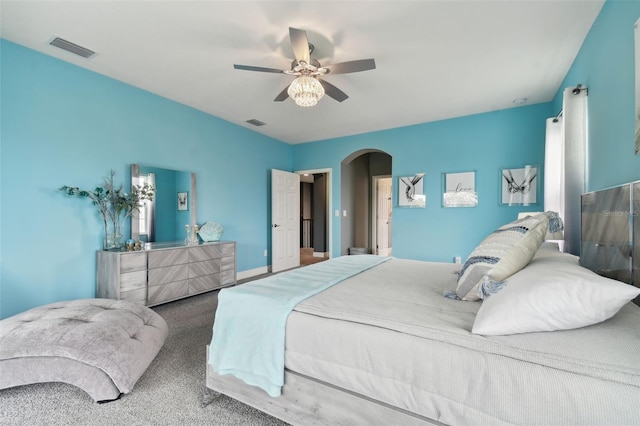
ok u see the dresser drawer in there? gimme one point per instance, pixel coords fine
(162, 258)
(130, 262)
(228, 263)
(133, 280)
(204, 252)
(228, 249)
(159, 276)
(137, 296)
(205, 283)
(207, 267)
(228, 277)
(167, 292)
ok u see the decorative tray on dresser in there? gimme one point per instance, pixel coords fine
(165, 271)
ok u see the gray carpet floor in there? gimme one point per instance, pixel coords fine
(170, 392)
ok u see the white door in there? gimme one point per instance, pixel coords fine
(383, 216)
(285, 220)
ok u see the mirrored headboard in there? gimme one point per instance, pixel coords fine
(611, 232)
(165, 218)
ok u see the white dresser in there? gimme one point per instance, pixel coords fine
(165, 272)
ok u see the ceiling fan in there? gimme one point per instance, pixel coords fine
(307, 89)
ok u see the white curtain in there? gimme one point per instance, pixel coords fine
(575, 163)
(553, 160)
(565, 165)
(554, 168)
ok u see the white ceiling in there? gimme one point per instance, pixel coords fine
(435, 59)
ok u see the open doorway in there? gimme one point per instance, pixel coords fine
(315, 215)
(358, 202)
(381, 215)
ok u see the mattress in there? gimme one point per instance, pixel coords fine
(390, 335)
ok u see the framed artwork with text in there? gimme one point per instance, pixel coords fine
(459, 190)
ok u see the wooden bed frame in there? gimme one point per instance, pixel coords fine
(306, 401)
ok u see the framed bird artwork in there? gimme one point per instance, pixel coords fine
(411, 191)
(519, 186)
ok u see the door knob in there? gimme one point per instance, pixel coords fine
(275, 225)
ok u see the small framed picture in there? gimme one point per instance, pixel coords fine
(183, 201)
(519, 186)
(411, 191)
(459, 190)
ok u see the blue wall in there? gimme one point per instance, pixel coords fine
(63, 125)
(605, 64)
(484, 143)
(507, 138)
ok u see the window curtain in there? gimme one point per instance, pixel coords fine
(565, 165)
(554, 169)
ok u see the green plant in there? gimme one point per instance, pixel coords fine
(113, 204)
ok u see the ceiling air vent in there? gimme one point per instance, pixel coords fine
(255, 122)
(71, 47)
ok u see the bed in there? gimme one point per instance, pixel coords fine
(385, 346)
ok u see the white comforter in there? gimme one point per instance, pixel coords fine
(393, 337)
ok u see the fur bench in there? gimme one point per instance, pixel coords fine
(102, 346)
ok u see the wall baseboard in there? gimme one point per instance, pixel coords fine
(252, 272)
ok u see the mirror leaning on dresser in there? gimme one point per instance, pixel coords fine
(165, 211)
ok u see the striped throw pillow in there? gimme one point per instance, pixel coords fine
(501, 254)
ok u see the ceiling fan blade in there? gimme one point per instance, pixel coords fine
(300, 45)
(261, 69)
(351, 66)
(282, 95)
(333, 91)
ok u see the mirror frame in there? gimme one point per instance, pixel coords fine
(135, 223)
(636, 31)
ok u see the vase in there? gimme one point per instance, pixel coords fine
(113, 241)
(187, 229)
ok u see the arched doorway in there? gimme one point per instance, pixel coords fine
(360, 173)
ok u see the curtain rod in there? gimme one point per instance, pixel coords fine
(575, 91)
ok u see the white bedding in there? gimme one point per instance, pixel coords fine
(393, 337)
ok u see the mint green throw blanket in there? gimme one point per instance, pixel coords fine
(249, 328)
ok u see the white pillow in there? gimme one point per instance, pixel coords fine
(502, 253)
(552, 293)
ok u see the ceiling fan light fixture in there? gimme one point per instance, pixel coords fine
(305, 91)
